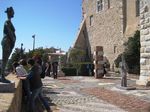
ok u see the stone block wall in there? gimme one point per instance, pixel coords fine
(106, 29)
(132, 17)
(11, 102)
(80, 42)
(109, 27)
(145, 42)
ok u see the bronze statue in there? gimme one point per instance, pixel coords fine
(8, 42)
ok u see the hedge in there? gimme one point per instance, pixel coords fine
(69, 71)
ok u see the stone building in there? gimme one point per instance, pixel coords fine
(107, 23)
(145, 42)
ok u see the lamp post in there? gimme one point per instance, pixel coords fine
(21, 47)
(33, 36)
(21, 51)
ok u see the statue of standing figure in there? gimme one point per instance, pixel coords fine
(123, 71)
(8, 42)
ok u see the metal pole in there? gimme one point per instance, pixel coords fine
(21, 51)
(33, 41)
(21, 47)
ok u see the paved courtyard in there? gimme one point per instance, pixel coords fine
(87, 94)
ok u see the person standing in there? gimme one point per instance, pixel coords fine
(41, 65)
(48, 69)
(55, 69)
(36, 86)
(22, 74)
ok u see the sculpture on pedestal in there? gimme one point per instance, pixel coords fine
(8, 42)
(123, 71)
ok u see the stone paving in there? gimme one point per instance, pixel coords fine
(66, 95)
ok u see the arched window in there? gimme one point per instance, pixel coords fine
(108, 4)
(115, 47)
(100, 5)
(146, 9)
(91, 20)
(137, 7)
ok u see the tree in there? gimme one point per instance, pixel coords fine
(132, 54)
(63, 60)
(77, 55)
(39, 52)
(15, 57)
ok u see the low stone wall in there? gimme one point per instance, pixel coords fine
(11, 102)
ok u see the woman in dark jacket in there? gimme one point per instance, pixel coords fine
(36, 86)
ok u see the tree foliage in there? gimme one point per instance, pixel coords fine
(40, 52)
(132, 54)
(15, 57)
(77, 55)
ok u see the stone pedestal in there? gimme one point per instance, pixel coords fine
(126, 88)
(7, 87)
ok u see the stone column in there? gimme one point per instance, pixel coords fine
(98, 62)
(60, 73)
(145, 42)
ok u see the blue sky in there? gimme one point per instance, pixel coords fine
(54, 22)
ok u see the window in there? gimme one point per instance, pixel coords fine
(100, 5)
(137, 8)
(91, 20)
(108, 4)
(115, 48)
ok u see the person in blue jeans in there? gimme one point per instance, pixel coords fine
(36, 86)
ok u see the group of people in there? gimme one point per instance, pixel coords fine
(30, 73)
(50, 69)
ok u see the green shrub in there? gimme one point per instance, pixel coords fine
(118, 60)
(132, 54)
(84, 68)
(69, 71)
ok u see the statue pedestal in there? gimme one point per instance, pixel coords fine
(7, 87)
(126, 88)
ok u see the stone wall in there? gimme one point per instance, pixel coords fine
(132, 17)
(80, 42)
(110, 26)
(145, 42)
(106, 29)
(11, 102)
